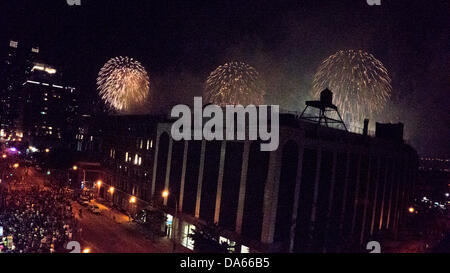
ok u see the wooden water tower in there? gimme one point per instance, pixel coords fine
(326, 107)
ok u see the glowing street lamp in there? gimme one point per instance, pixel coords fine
(16, 165)
(47, 150)
(411, 210)
(75, 167)
(4, 156)
(111, 190)
(87, 250)
(165, 194)
(99, 183)
(132, 199)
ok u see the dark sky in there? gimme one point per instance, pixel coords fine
(181, 42)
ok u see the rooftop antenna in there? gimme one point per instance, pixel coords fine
(325, 106)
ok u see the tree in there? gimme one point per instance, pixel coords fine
(206, 239)
(152, 220)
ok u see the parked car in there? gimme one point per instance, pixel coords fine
(84, 198)
(94, 209)
(83, 202)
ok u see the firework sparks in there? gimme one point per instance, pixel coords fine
(123, 84)
(234, 83)
(360, 83)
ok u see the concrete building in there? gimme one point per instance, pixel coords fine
(320, 186)
(16, 61)
(48, 108)
(322, 190)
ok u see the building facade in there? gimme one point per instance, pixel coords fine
(48, 109)
(17, 59)
(322, 190)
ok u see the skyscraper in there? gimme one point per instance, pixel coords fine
(48, 108)
(16, 64)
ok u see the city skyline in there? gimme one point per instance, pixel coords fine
(180, 44)
(224, 127)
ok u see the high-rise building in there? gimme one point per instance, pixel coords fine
(16, 63)
(48, 108)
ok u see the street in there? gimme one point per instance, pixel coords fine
(107, 232)
(102, 234)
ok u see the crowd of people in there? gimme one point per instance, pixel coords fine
(35, 220)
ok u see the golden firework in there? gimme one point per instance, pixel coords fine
(234, 83)
(123, 84)
(360, 83)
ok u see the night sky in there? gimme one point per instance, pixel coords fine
(181, 42)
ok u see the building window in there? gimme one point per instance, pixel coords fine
(169, 221)
(186, 240)
(245, 249)
(230, 243)
(126, 157)
(149, 144)
(13, 44)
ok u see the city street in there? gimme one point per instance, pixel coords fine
(106, 232)
(101, 233)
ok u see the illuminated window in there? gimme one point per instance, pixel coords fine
(13, 44)
(245, 249)
(230, 243)
(186, 240)
(126, 157)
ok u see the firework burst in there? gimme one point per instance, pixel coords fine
(360, 83)
(234, 83)
(123, 84)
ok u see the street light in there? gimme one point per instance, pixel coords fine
(75, 167)
(111, 191)
(99, 183)
(16, 165)
(132, 199)
(47, 150)
(4, 156)
(87, 250)
(165, 195)
(411, 210)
